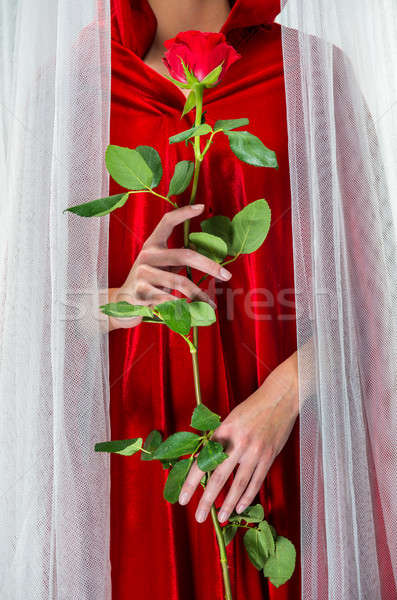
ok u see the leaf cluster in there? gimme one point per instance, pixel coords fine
(170, 452)
(268, 551)
(178, 315)
(245, 233)
(138, 170)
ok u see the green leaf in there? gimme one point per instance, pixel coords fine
(175, 315)
(204, 419)
(268, 539)
(209, 245)
(153, 160)
(175, 480)
(212, 77)
(189, 104)
(100, 207)
(211, 456)
(125, 447)
(126, 310)
(201, 314)
(151, 444)
(178, 444)
(251, 150)
(128, 168)
(228, 533)
(185, 135)
(228, 124)
(252, 514)
(273, 530)
(250, 227)
(219, 226)
(256, 546)
(181, 178)
(280, 567)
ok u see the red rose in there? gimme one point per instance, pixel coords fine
(201, 52)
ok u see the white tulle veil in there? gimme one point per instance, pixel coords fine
(54, 116)
(340, 64)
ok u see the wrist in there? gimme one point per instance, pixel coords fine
(284, 379)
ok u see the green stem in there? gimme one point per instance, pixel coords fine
(208, 144)
(197, 160)
(198, 157)
(222, 552)
(196, 374)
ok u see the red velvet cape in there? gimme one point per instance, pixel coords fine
(158, 550)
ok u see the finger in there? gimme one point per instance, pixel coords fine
(185, 257)
(172, 281)
(239, 485)
(254, 486)
(191, 483)
(171, 219)
(215, 483)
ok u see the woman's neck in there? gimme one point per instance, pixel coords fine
(176, 15)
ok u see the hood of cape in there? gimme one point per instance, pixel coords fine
(134, 23)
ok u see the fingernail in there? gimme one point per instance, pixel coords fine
(183, 498)
(225, 274)
(222, 517)
(240, 508)
(197, 206)
(200, 516)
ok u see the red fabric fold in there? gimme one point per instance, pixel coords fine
(158, 549)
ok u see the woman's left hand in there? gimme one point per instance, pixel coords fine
(252, 435)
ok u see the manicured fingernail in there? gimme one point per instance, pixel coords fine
(197, 206)
(240, 508)
(200, 516)
(222, 517)
(225, 274)
(183, 498)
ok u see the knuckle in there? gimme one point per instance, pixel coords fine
(217, 478)
(167, 218)
(241, 483)
(222, 432)
(187, 488)
(257, 448)
(145, 256)
(243, 441)
(141, 289)
(187, 254)
(142, 271)
(178, 282)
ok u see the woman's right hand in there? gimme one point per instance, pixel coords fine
(155, 271)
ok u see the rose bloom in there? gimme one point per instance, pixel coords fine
(201, 52)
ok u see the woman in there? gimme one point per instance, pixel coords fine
(55, 96)
(247, 361)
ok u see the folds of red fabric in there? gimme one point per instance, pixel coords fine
(159, 549)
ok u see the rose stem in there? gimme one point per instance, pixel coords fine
(222, 552)
(214, 516)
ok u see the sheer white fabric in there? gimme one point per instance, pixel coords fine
(54, 116)
(341, 91)
(340, 61)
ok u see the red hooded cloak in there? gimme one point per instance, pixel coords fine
(158, 550)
